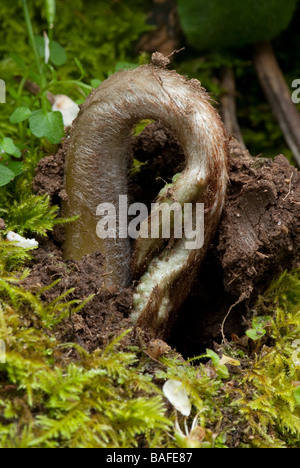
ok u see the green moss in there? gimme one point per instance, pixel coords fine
(108, 31)
(231, 23)
(48, 400)
(100, 34)
(271, 381)
(112, 397)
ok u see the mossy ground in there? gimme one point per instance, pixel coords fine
(58, 391)
(55, 393)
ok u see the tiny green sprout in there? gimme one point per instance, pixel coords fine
(176, 177)
(136, 167)
(258, 327)
(221, 369)
(140, 126)
(191, 437)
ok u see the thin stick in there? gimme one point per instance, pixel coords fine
(243, 296)
(228, 105)
(279, 96)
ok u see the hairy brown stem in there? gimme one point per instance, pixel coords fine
(96, 170)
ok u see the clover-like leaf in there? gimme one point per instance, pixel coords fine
(47, 124)
(258, 330)
(20, 114)
(8, 146)
(6, 175)
(57, 53)
(221, 369)
(16, 167)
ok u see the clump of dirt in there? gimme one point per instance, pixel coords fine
(105, 314)
(49, 178)
(259, 233)
(258, 237)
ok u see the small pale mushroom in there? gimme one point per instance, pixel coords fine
(21, 241)
(175, 392)
(68, 108)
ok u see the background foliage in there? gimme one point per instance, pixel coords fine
(229, 24)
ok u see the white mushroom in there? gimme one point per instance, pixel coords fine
(68, 108)
(21, 241)
(177, 396)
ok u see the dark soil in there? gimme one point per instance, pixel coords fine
(258, 237)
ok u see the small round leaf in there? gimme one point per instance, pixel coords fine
(47, 124)
(20, 114)
(9, 147)
(6, 175)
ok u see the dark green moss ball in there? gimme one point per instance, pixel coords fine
(224, 24)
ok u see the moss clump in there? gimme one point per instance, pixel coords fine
(272, 380)
(231, 23)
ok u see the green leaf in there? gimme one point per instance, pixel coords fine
(222, 371)
(9, 147)
(18, 60)
(40, 45)
(125, 66)
(20, 114)
(49, 125)
(297, 395)
(255, 334)
(258, 324)
(57, 54)
(213, 356)
(6, 175)
(16, 167)
(223, 25)
(79, 65)
(95, 83)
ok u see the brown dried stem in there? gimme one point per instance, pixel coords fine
(278, 95)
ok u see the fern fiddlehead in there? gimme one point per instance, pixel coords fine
(96, 171)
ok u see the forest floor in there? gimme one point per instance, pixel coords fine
(258, 238)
